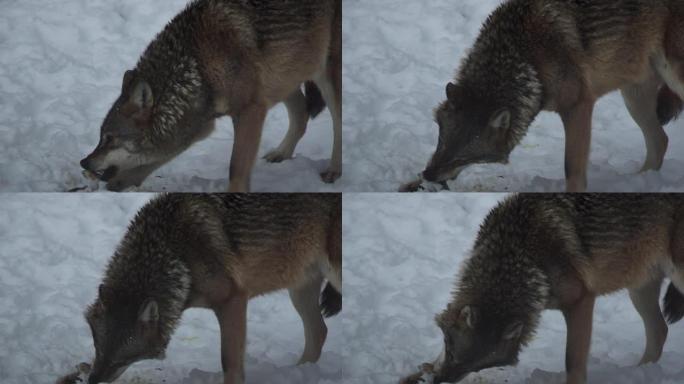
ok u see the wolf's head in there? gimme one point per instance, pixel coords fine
(471, 131)
(125, 329)
(142, 131)
(473, 342)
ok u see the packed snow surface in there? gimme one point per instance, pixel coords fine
(61, 69)
(401, 258)
(398, 57)
(53, 251)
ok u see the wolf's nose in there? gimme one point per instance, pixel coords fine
(84, 163)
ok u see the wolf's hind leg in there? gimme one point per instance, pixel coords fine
(642, 102)
(330, 84)
(305, 300)
(298, 115)
(670, 62)
(645, 300)
(332, 268)
(673, 302)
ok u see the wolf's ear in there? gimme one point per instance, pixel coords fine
(127, 78)
(142, 97)
(149, 312)
(454, 93)
(468, 316)
(501, 120)
(513, 331)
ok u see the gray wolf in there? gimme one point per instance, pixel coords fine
(561, 56)
(225, 58)
(216, 252)
(537, 252)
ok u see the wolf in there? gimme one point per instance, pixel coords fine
(537, 252)
(561, 56)
(216, 252)
(219, 58)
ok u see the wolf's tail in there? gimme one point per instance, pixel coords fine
(314, 99)
(331, 301)
(673, 305)
(669, 105)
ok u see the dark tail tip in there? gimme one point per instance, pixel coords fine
(669, 105)
(314, 99)
(673, 305)
(331, 301)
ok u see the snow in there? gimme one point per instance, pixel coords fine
(54, 248)
(402, 254)
(398, 57)
(61, 68)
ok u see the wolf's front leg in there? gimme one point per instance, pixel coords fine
(232, 318)
(248, 126)
(577, 122)
(578, 317)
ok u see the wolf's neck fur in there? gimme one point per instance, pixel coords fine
(502, 276)
(145, 267)
(498, 70)
(517, 90)
(170, 67)
(508, 291)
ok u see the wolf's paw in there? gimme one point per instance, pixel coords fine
(329, 177)
(277, 156)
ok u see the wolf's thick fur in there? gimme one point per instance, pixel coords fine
(536, 252)
(562, 56)
(217, 252)
(225, 57)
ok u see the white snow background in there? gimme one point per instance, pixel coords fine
(61, 67)
(53, 251)
(398, 57)
(401, 258)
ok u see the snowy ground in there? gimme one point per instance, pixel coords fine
(61, 67)
(402, 254)
(53, 250)
(398, 57)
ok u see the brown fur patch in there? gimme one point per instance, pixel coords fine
(628, 266)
